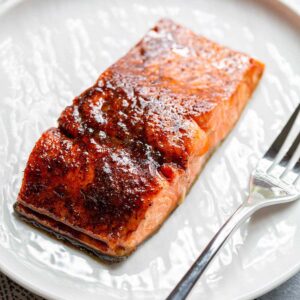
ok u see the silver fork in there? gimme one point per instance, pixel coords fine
(271, 183)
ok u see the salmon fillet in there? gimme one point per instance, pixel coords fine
(127, 150)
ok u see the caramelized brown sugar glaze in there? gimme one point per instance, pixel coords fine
(170, 100)
(97, 187)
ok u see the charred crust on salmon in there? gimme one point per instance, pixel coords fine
(128, 148)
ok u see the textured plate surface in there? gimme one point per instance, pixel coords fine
(50, 51)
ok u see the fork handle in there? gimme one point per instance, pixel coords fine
(185, 285)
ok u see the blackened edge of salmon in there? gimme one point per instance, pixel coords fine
(105, 258)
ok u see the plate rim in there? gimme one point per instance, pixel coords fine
(285, 9)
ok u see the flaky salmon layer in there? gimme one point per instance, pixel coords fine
(128, 148)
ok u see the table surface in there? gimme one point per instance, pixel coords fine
(290, 290)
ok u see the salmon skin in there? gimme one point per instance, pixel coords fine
(128, 148)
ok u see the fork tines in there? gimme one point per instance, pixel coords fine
(273, 151)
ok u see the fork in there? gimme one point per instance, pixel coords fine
(271, 183)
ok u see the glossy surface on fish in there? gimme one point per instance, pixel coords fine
(127, 149)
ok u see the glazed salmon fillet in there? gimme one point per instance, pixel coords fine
(127, 150)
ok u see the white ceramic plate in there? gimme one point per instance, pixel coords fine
(50, 51)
